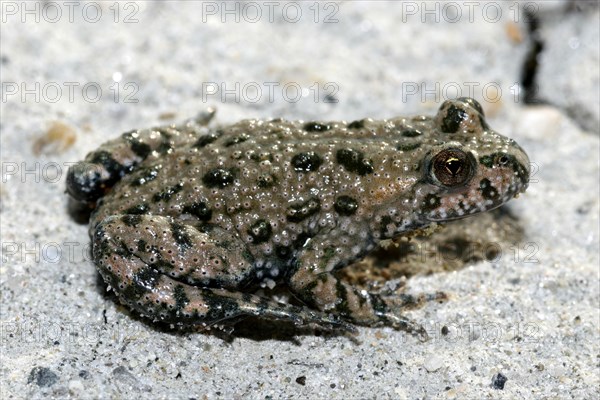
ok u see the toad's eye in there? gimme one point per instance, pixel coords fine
(451, 167)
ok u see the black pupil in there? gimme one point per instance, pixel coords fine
(454, 165)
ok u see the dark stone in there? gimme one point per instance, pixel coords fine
(42, 376)
(498, 381)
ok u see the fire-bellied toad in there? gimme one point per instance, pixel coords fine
(189, 220)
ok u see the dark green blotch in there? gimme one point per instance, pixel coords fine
(345, 205)
(359, 124)
(101, 247)
(220, 307)
(128, 135)
(140, 149)
(130, 292)
(260, 231)
(411, 133)
(123, 249)
(316, 127)
(147, 278)
(266, 181)
(181, 237)
(306, 293)
(283, 252)
(306, 162)
(218, 177)
(144, 176)
(143, 282)
(354, 161)
(205, 227)
(408, 146)
(206, 140)
(142, 245)
(246, 255)
(160, 264)
(300, 211)
(165, 144)
(115, 169)
(166, 194)
(237, 139)
(379, 307)
(261, 157)
(131, 220)
(431, 202)
(199, 209)
(385, 221)
(454, 116)
(137, 210)
(488, 191)
(181, 299)
(505, 160)
(342, 299)
(329, 252)
(487, 161)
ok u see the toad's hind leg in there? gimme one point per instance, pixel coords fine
(165, 271)
(314, 283)
(101, 169)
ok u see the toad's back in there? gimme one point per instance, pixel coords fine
(297, 178)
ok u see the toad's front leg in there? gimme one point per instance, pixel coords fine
(313, 282)
(177, 274)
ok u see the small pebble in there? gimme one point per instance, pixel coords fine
(301, 380)
(498, 381)
(42, 377)
(433, 363)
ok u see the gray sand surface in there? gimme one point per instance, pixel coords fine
(523, 325)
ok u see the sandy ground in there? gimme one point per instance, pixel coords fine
(521, 322)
